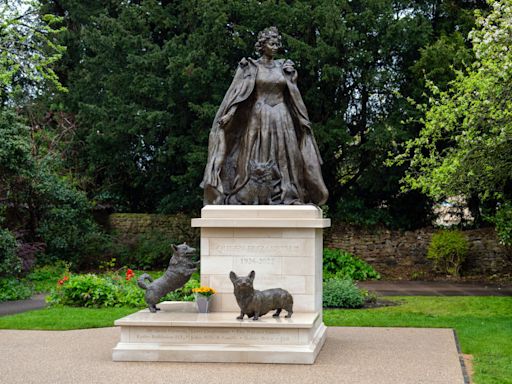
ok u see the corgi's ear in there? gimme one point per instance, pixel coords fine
(251, 275)
(233, 276)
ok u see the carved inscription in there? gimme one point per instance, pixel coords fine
(214, 336)
(258, 247)
(241, 336)
(259, 261)
(153, 335)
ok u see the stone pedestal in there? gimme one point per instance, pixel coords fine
(283, 245)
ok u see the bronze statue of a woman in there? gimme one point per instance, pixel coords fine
(261, 149)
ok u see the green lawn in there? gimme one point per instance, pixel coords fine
(483, 325)
(65, 318)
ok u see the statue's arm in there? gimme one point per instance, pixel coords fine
(233, 91)
(298, 108)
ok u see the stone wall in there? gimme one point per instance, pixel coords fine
(403, 253)
(395, 254)
(131, 225)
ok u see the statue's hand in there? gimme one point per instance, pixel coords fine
(224, 120)
(289, 68)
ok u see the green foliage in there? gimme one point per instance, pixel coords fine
(185, 293)
(503, 222)
(44, 278)
(343, 265)
(465, 144)
(10, 264)
(448, 250)
(66, 224)
(109, 290)
(29, 49)
(144, 114)
(341, 293)
(152, 250)
(14, 289)
(43, 199)
(86, 291)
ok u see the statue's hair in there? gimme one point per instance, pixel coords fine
(266, 34)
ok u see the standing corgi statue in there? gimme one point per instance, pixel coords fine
(254, 303)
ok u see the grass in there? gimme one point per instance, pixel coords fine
(483, 325)
(65, 318)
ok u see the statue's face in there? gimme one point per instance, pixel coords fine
(271, 47)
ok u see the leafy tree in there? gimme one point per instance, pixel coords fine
(28, 49)
(465, 145)
(39, 201)
(146, 77)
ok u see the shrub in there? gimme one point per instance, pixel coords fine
(10, 264)
(14, 289)
(109, 290)
(44, 278)
(342, 293)
(503, 222)
(448, 250)
(152, 250)
(340, 264)
(185, 293)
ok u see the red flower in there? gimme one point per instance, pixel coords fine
(61, 282)
(65, 278)
(129, 274)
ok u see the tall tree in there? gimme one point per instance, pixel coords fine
(465, 145)
(148, 76)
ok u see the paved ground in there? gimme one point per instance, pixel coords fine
(350, 355)
(12, 307)
(434, 288)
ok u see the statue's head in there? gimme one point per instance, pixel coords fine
(268, 35)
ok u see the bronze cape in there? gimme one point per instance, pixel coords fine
(221, 175)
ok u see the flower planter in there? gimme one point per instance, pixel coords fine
(203, 303)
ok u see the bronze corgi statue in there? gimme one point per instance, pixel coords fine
(181, 267)
(254, 303)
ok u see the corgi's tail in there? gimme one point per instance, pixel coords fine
(141, 283)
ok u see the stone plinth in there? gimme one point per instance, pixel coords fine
(219, 337)
(282, 244)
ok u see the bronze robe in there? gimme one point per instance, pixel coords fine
(223, 170)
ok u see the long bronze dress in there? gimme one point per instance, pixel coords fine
(270, 122)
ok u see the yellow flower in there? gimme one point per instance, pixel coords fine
(205, 291)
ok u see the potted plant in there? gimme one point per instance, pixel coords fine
(203, 297)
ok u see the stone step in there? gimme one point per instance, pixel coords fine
(219, 337)
(166, 318)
